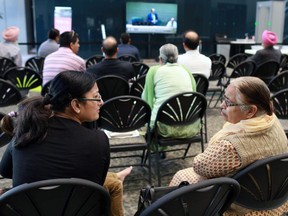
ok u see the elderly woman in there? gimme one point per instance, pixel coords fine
(251, 132)
(165, 80)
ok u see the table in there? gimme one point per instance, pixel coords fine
(253, 51)
(239, 45)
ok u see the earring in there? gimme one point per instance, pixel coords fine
(78, 111)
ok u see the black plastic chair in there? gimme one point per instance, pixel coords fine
(279, 100)
(206, 198)
(23, 78)
(9, 94)
(126, 114)
(216, 82)
(56, 197)
(112, 86)
(236, 59)
(36, 63)
(279, 82)
(216, 57)
(202, 84)
(267, 71)
(128, 58)
(245, 68)
(179, 110)
(5, 64)
(264, 183)
(137, 86)
(94, 60)
(283, 62)
(140, 69)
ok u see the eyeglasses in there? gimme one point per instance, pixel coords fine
(98, 99)
(229, 104)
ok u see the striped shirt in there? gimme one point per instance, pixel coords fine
(62, 60)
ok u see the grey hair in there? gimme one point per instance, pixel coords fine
(168, 53)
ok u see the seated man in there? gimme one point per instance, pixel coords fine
(251, 132)
(268, 53)
(51, 44)
(65, 58)
(111, 65)
(126, 48)
(193, 60)
(10, 48)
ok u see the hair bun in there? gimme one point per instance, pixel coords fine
(47, 99)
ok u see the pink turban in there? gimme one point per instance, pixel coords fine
(269, 38)
(11, 33)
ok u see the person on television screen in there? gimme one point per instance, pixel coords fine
(152, 17)
(172, 23)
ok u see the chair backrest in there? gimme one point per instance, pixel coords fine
(9, 94)
(129, 58)
(279, 100)
(216, 57)
(35, 63)
(94, 60)
(137, 86)
(217, 71)
(279, 82)
(208, 197)
(202, 83)
(283, 61)
(264, 183)
(182, 109)
(23, 78)
(112, 86)
(245, 68)
(140, 69)
(124, 113)
(236, 60)
(5, 64)
(267, 71)
(56, 197)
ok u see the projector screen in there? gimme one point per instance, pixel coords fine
(140, 20)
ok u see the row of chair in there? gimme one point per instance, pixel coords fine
(260, 186)
(98, 58)
(238, 66)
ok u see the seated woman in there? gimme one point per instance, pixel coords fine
(50, 142)
(251, 132)
(162, 82)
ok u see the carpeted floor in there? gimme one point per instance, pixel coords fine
(132, 184)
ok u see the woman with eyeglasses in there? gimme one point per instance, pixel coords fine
(50, 142)
(251, 132)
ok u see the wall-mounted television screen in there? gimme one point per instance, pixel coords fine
(143, 17)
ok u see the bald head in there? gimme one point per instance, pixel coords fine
(190, 40)
(109, 46)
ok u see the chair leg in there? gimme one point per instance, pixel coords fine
(205, 127)
(158, 164)
(211, 99)
(186, 151)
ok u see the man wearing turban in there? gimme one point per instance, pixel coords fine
(10, 48)
(268, 53)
